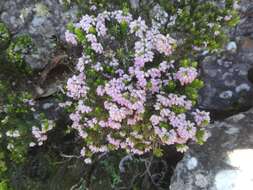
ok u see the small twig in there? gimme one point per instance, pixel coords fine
(69, 156)
(62, 162)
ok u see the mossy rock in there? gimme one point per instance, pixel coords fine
(4, 36)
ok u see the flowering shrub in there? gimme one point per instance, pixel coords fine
(18, 120)
(128, 92)
(134, 88)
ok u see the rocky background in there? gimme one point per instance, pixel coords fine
(223, 162)
(228, 91)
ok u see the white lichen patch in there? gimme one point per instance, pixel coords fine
(238, 117)
(201, 181)
(232, 130)
(192, 163)
(231, 46)
(226, 94)
(226, 179)
(242, 87)
(233, 180)
(241, 159)
(241, 178)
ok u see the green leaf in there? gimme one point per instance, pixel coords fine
(164, 125)
(80, 35)
(200, 136)
(171, 86)
(158, 152)
(71, 27)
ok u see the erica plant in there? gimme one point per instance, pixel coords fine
(129, 90)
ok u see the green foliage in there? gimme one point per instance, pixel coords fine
(16, 121)
(200, 136)
(4, 185)
(12, 117)
(19, 47)
(158, 152)
(4, 36)
(112, 170)
(201, 23)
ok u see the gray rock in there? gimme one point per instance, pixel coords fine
(42, 20)
(226, 76)
(224, 162)
(226, 82)
(245, 28)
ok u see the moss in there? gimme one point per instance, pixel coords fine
(4, 36)
(17, 50)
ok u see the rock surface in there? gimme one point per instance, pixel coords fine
(224, 162)
(226, 76)
(43, 20)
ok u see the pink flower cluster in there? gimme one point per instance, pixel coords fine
(163, 44)
(173, 100)
(76, 86)
(186, 75)
(129, 109)
(40, 134)
(182, 129)
(70, 38)
(201, 116)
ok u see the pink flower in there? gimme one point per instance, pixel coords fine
(174, 100)
(101, 28)
(164, 44)
(83, 108)
(117, 114)
(154, 73)
(82, 152)
(113, 141)
(76, 86)
(138, 27)
(139, 62)
(70, 38)
(100, 91)
(201, 116)
(75, 117)
(140, 75)
(164, 66)
(86, 23)
(186, 75)
(228, 17)
(113, 124)
(97, 47)
(155, 120)
(102, 124)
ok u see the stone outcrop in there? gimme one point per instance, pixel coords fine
(227, 85)
(44, 20)
(224, 162)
